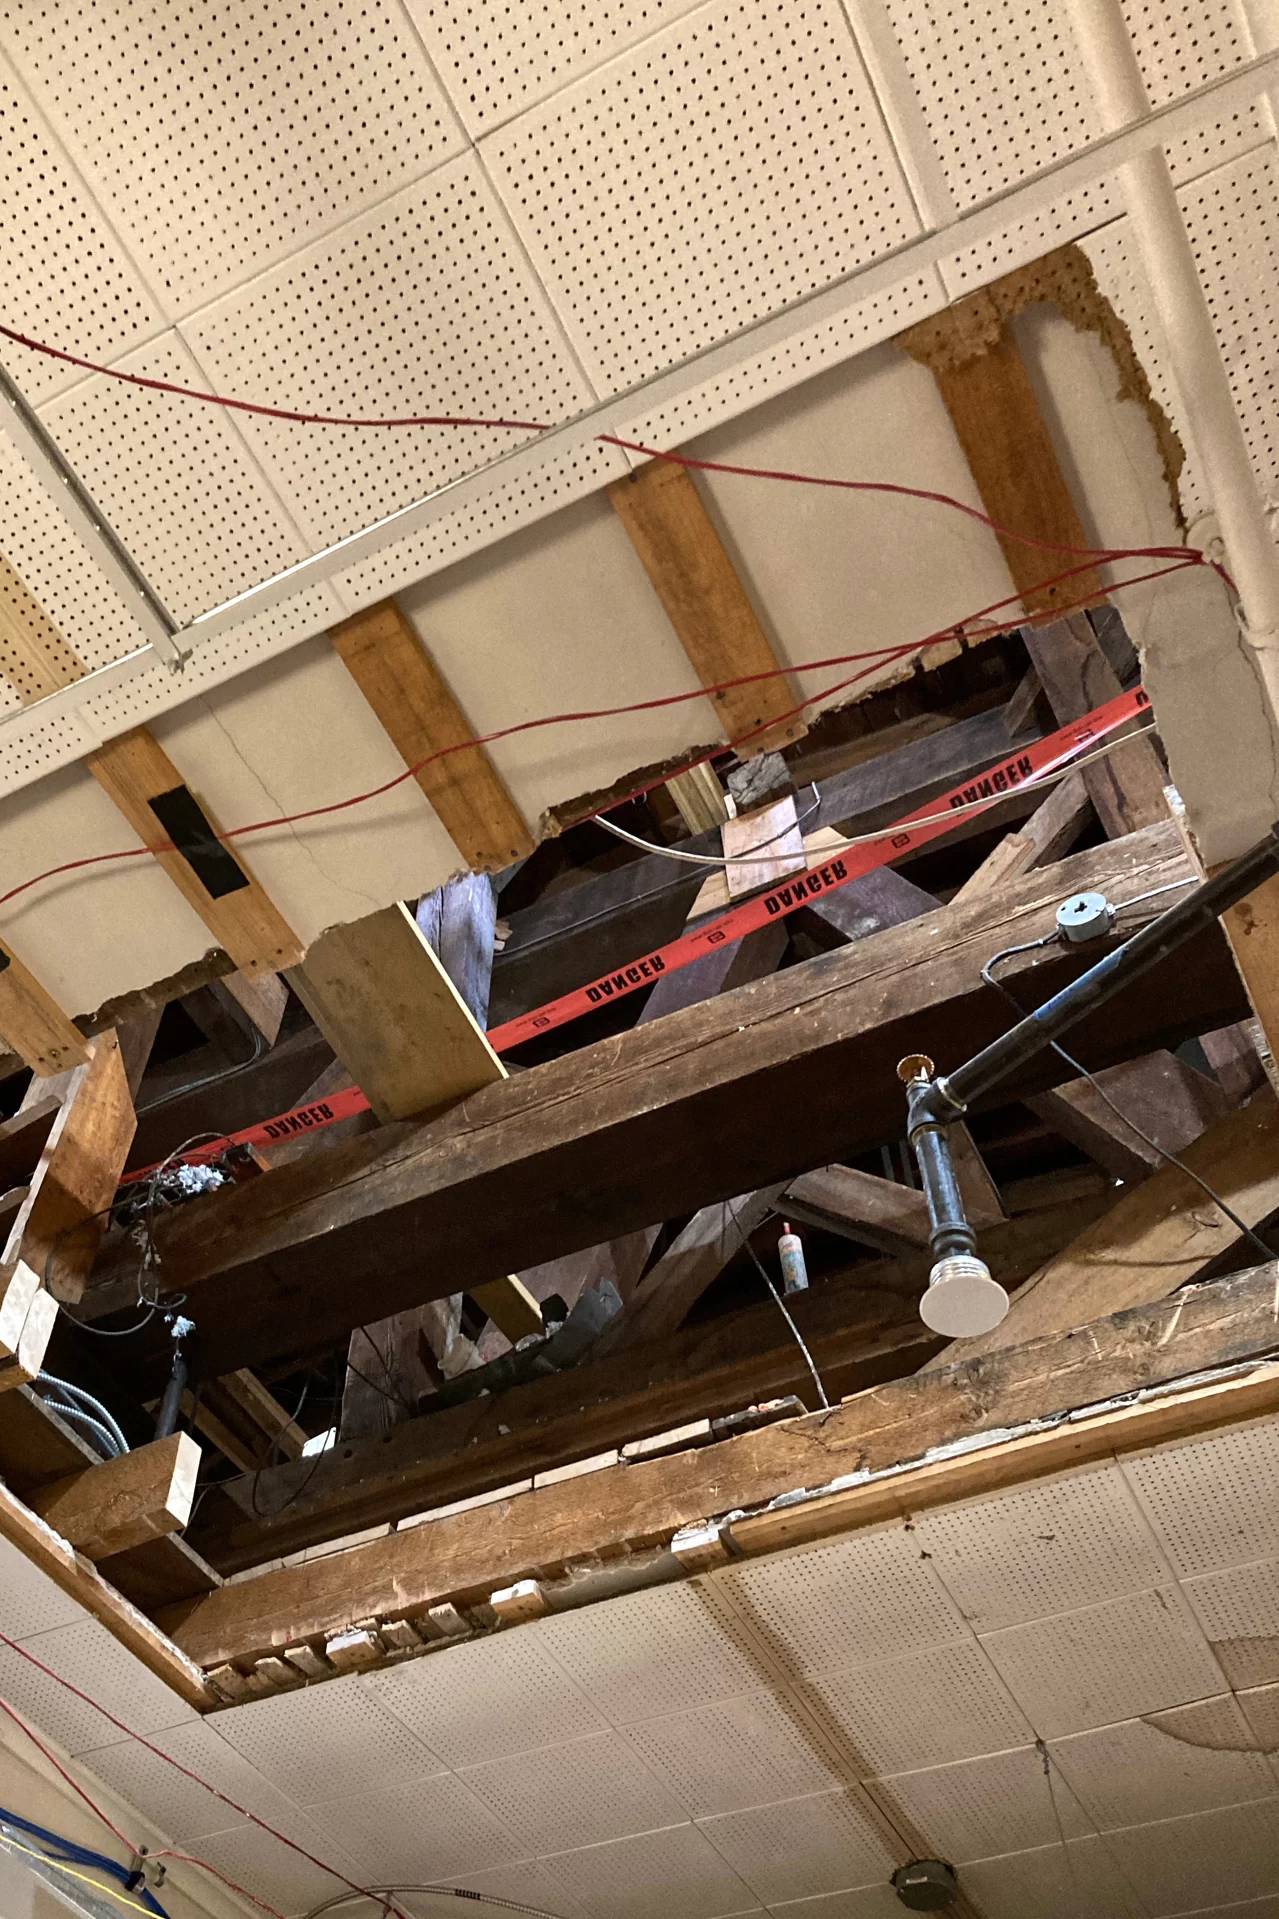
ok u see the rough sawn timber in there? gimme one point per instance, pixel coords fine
(463, 1556)
(761, 1084)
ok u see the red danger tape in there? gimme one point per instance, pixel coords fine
(926, 823)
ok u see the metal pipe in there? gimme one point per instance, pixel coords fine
(1194, 353)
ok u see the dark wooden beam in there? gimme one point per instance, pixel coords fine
(464, 1556)
(757, 1085)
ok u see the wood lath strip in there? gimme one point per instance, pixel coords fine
(406, 690)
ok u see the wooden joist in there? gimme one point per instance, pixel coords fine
(1050, 832)
(137, 773)
(721, 1098)
(32, 1024)
(1127, 787)
(461, 1558)
(706, 603)
(121, 1503)
(60, 1223)
(1168, 1100)
(407, 692)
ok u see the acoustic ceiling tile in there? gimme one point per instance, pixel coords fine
(326, 1742)
(1043, 1549)
(676, 1873)
(1187, 1760)
(220, 135)
(648, 1653)
(1201, 1861)
(1239, 1612)
(999, 1803)
(495, 63)
(75, 1724)
(825, 1842)
(733, 163)
(424, 306)
(734, 1753)
(181, 1808)
(87, 1656)
(530, 1882)
(945, 1702)
(1214, 1502)
(1055, 1882)
(176, 482)
(29, 1600)
(866, 1598)
(430, 1829)
(573, 1795)
(486, 1700)
(68, 279)
(1128, 1656)
(1260, 1708)
(274, 1872)
(867, 1902)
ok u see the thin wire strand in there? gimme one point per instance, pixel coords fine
(61, 1865)
(1267, 1252)
(1067, 1854)
(453, 1892)
(782, 1307)
(705, 859)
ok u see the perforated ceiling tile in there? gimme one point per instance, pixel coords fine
(866, 1598)
(648, 1653)
(486, 1700)
(1182, 44)
(58, 571)
(1140, 1654)
(176, 482)
(415, 1834)
(1052, 1883)
(271, 1871)
(90, 1657)
(425, 306)
(942, 1703)
(732, 164)
(737, 1752)
(1215, 1502)
(575, 1794)
(1261, 1710)
(1202, 1861)
(1183, 1761)
(68, 279)
(1069, 218)
(29, 1600)
(76, 1725)
(326, 1742)
(222, 134)
(1043, 1549)
(999, 1803)
(867, 1902)
(1233, 219)
(799, 1847)
(497, 61)
(1239, 1612)
(676, 1873)
(179, 1807)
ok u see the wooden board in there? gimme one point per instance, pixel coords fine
(1051, 831)
(661, 1120)
(33, 1025)
(878, 1212)
(1168, 1100)
(1127, 787)
(706, 603)
(134, 769)
(406, 690)
(464, 1556)
(121, 1503)
(60, 1224)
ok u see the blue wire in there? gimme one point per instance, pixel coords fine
(72, 1854)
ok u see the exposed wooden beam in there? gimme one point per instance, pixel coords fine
(60, 1224)
(32, 1023)
(461, 1557)
(136, 772)
(1048, 834)
(1155, 1238)
(122, 1503)
(408, 693)
(702, 1371)
(699, 798)
(664, 1119)
(1168, 1100)
(706, 603)
(693, 1261)
(878, 1212)
(1127, 787)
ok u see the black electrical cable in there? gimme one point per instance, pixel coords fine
(1008, 952)
(210, 1079)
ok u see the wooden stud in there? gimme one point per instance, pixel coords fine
(1127, 787)
(699, 798)
(407, 692)
(876, 1212)
(134, 770)
(706, 603)
(143, 1495)
(61, 1222)
(32, 1023)
(1051, 831)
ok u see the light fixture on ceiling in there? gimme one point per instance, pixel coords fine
(926, 1885)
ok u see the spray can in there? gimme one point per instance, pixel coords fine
(790, 1248)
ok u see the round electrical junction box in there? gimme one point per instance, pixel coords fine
(926, 1885)
(1085, 916)
(962, 1299)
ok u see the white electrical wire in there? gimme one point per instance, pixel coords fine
(884, 832)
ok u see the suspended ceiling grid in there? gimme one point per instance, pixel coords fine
(751, 1741)
(396, 208)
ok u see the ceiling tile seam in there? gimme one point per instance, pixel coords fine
(901, 110)
(174, 311)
